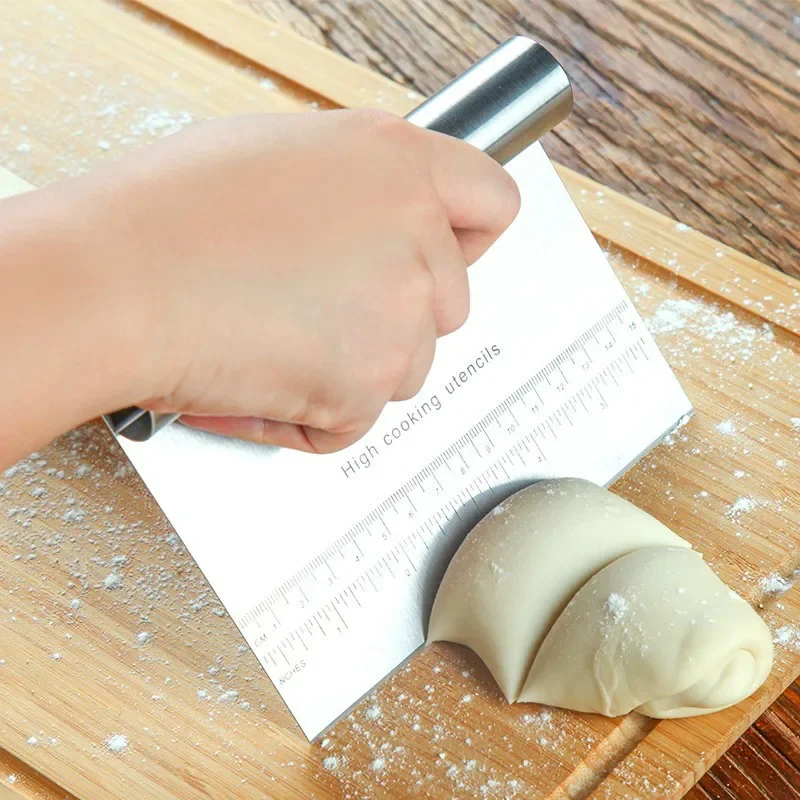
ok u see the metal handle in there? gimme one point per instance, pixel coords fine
(502, 104)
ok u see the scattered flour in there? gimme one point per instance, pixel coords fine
(142, 638)
(33, 741)
(373, 712)
(795, 423)
(377, 764)
(775, 584)
(726, 428)
(117, 742)
(229, 696)
(112, 581)
(616, 606)
(788, 636)
(741, 506)
(331, 763)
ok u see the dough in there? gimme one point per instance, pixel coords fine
(574, 597)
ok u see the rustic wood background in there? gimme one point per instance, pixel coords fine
(689, 106)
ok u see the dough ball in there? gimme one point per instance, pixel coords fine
(520, 566)
(657, 632)
(574, 597)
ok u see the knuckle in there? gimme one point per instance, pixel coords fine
(455, 315)
(509, 200)
(421, 286)
(384, 124)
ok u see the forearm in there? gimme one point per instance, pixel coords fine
(59, 326)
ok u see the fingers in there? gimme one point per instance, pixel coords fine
(445, 260)
(278, 434)
(418, 371)
(478, 195)
(253, 429)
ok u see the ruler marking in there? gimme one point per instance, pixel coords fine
(306, 582)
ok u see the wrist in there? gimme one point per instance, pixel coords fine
(63, 312)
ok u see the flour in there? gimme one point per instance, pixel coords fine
(726, 428)
(616, 606)
(112, 581)
(229, 696)
(775, 584)
(788, 637)
(331, 763)
(117, 742)
(742, 505)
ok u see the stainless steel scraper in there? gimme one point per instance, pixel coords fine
(328, 564)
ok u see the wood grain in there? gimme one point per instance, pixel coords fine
(188, 745)
(690, 107)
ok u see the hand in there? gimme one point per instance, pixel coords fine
(287, 275)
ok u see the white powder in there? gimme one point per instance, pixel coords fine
(377, 764)
(681, 227)
(325, 744)
(142, 638)
(33, 741)
(73, 515)
(268, 85)
(104, 144)
(741, 506)
(788, 636)
(12, 778)
(118, 561)
(112, 581)
(616, 606)
(202, 694)
(24, 147)
(55, 656)
(229, 696)
(726, 428)
(739, 473)
(774, 584)
(331, 763)
(795, 422)
(498, 571)
(672, 315)
(75, 604)
(467, 698)
(117, 742)
(373, 712)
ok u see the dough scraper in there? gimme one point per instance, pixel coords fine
(329, 564)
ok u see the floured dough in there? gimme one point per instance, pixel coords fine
(574, 597)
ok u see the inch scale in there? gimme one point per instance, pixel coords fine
(389, 563)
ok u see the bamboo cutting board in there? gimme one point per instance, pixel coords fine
(140, 686)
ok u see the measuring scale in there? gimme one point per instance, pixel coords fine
(329, 564)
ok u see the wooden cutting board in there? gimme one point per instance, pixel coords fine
(147, 690)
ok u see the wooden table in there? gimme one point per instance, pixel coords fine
(690, 107)
(425, 43)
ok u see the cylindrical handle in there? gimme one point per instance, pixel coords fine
(502, 104)
(137, 424)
